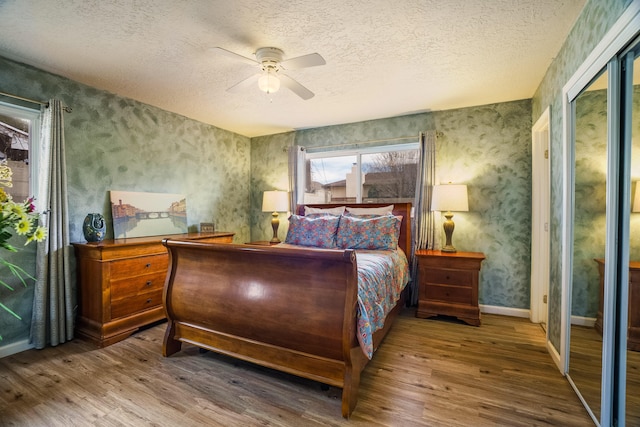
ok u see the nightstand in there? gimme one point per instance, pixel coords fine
(448, 285)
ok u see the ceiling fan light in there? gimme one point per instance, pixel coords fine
(269, 82)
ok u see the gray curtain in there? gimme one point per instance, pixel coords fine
(296, 158)
(54, 299)
(424, 229)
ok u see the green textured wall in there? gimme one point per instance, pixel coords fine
(489, 149)
(114, 143)
(596, 19)
(269, 171)
(486, 147)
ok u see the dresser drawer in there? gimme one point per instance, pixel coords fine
(129, 287)
(127, 306)
(450, 294)
(448, 277)
(137, 266)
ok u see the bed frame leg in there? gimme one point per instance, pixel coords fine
(350, 391)
(170, 345)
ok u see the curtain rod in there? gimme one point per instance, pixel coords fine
(371, 141)
(33, 101)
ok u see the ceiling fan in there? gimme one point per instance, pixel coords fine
(271, 75)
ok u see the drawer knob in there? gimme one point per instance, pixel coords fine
(148, 265)
(149, 300)
(148, 283)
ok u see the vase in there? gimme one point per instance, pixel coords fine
(94, 227)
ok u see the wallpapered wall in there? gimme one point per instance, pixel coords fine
(486, 147)
(596, 19)
(115, 143)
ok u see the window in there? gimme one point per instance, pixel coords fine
(19, 128)
(375, 175)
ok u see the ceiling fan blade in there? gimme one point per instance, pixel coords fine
(304, 61)
(228, 53)
(243, 84)
(295, 87)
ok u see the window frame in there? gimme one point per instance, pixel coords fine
(317, 153)
(35, 118)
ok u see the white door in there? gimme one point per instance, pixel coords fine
(540, 207)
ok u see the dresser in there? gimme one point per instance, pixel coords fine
(120, 284)
(633, 324)
(448, 284)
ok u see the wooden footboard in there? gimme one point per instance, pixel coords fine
(277, 307)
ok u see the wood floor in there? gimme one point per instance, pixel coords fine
(426, 373)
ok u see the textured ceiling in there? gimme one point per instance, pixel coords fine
(384, 58)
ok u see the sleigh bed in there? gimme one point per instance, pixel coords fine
(289, 307)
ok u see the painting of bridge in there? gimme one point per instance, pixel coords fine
(137, 214)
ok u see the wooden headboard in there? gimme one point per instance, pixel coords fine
(402, 209)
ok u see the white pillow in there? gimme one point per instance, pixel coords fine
(384, 210)
(327, 211)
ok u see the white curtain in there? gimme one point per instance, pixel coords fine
(296, 158)
(424, 230)
(54, 300)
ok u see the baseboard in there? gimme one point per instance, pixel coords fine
(16, 347)
(505, 311)
(589, 322)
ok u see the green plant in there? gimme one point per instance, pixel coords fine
(20, 218)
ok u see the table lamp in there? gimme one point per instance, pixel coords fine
(447, 198)
(275, 201)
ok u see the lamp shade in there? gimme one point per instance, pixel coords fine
(450, 198)
(275, 201)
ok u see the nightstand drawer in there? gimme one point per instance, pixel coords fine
(127, 306)
(132, 286)
(136, 266)
(449, 277)
(450, 294)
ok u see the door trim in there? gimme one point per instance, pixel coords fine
(540, 217)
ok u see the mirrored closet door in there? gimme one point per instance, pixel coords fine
(631, 133)
(589, 239)
(604, 242)
(601, 262)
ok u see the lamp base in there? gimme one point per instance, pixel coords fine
(275, 222)
(448, 232)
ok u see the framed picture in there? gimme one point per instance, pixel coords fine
(137, 214)
(206, 227)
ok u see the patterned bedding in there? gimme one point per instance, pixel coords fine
(382, 275)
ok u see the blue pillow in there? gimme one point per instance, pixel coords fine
(380, 232)
(318, 231)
